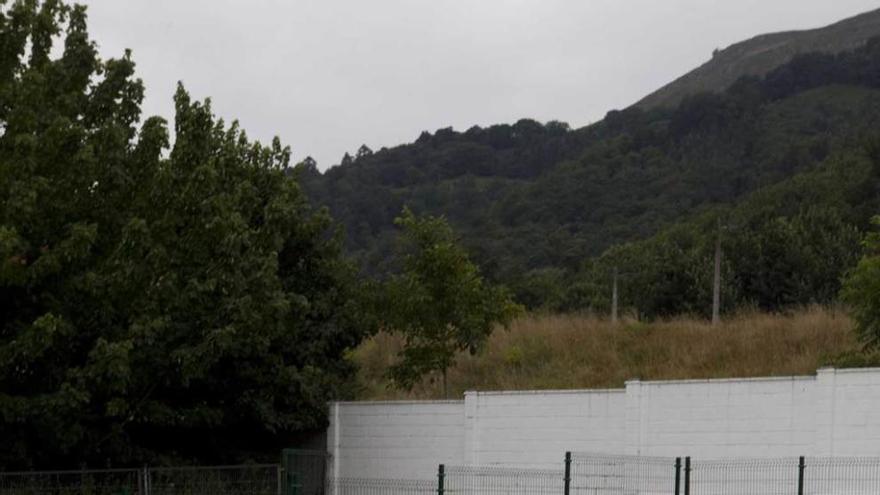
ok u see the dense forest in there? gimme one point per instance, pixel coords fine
(785, 163)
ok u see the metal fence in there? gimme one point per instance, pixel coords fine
(613, 475)
(304, 473)
(841, 475)
(745, 477)
(370, 486)
(213, 480)
(476, 480)
(786, 476)
(218, 480)
(92, 482)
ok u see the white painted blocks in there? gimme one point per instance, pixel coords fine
(836, 412)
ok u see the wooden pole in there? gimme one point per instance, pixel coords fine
(614, 298)
(716, 289)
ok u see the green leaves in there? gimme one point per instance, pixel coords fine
(154, 305)
(861, 290)
(439, 303)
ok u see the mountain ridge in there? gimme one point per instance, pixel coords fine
(760, 54)
(550, 211)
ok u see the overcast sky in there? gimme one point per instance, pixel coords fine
(327, 76)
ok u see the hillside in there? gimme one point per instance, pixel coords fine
(761, 54)
(569, 351)
(540, 205)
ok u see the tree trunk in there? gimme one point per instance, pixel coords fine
(445, 388)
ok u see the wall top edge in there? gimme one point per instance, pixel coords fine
(796, 378)
(573, 391)
(830, 369)
(793, 378)
(395, 402)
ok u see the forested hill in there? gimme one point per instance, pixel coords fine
(537, 203)
(761, 54)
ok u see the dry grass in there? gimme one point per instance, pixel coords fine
(568, 351)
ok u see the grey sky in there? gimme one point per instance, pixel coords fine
(327, 75)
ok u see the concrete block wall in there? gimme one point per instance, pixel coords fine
(404, 440)
(848, 412)
(836, 412)
(534, 429)
(765, 417)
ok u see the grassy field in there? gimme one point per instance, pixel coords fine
(568, 351)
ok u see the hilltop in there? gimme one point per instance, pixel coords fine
(761, 54)
(550, 211)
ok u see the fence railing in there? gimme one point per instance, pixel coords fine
(745, 476)
(844, 475)
(91, 482)
(371, 486)
(582, 474)
(220, 480)
(213, 480)
(490, 480)
(613, 475)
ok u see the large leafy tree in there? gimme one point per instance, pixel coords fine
(157, 304)
(861, 291)
(439, 303)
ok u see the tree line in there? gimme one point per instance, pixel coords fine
(170, 293)
(535, 203)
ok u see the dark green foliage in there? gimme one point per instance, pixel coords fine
(534, 202)
(440, 303)
(862, 292)
(156, 306)
(785, 245)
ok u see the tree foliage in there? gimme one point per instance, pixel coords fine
(439, 303)
(157, 305)
(534, 201)
(861, 291)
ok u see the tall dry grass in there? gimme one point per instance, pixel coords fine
(569, 351)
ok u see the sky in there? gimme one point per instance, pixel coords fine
(329, 75)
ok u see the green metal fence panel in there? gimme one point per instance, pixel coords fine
(492, 480)
(368, 486)
(83, 482)
(259, 479)
(304, 472)
(771, 476)
(622, 475)
(842, 475)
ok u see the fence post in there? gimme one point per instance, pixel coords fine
(567, 473)
(687, 475)
(441, 477)
(145, 476)
(801, 466)
(677, 475)
(279, 480)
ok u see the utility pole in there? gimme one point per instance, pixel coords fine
(614, 298)
(716, 289)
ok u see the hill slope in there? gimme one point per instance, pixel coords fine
(536, 204)
(567, 352)
(761, 54)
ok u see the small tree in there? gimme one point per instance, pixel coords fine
(440, 303)
(861, 290)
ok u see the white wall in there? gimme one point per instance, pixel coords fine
(836, 412)
(848, 412)
(765, 417)
(535, 429)
(394, 439)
